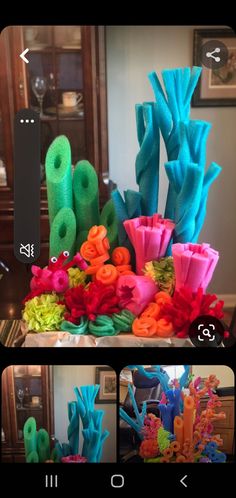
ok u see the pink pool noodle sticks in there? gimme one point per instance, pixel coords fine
(194, 265)
(150, 236)
(135, 292)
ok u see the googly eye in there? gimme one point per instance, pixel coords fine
(66, 254)
(53, 259)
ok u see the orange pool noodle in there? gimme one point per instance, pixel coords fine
(179, 430)
(91, 270)
(100, 259)
(152, 310)
(96, 235)
(188, 417)
(107, 274)
(144, 327)
(162, 298)
(88, 251)
(120, 256)
(164, 328)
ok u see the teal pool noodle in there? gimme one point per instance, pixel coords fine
(73, 427)
(80, 329)
(147, 160)
(86, 196)
(54, 456)
(122, 215)
(103, 437)
(58, 176)
(58, 451)
(30, 436)
(211, 174)
(133, 202)
(63, 233)
(43, 445)
(32, 457)
(109, 219)
(173, 108)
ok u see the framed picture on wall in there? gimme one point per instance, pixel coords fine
(215, 51)
(106, 378)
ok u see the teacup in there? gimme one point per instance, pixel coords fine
(71, 99)
(35, 400)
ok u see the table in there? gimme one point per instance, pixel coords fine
(66, 340)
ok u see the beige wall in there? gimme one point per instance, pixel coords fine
(222, 372)
(65, 379)
(132, 52)
(123, 392)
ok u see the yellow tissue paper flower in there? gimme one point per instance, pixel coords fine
(43, 313)
(76, 277)
(162, 272)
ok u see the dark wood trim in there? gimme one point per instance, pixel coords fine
(90, 107)
(102, 98)
(94, 70)
(12, 409)
(7, 110)
(5, 412)
(18, 69)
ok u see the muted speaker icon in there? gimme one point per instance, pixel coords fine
(27, 250)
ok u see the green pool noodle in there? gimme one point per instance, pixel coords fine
(30, 436)
(86, 196)
(109, 220)
(63, 233)
(32, 457)
(58, 176)
(80, 329)
(43, 445)
(81, 237)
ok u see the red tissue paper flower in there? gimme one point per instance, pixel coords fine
(74, 459)
(74, 301)
(187, 305)
(97, 299)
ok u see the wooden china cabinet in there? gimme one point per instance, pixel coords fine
(61, 59)
(27, 391)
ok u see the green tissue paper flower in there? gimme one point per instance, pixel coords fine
(162, 272)
(163, 439)
(43, 313)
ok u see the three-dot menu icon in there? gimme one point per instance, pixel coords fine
(27, 186)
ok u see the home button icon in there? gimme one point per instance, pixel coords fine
(117, 481)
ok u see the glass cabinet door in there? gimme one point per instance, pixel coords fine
(28, 396)
(55, 84)
(3, 170)
(6, 115)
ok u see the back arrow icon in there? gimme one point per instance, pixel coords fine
(23, 55)
(182, 481)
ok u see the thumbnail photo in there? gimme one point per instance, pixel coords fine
(58, 413)
(176, 414)
(137, 187)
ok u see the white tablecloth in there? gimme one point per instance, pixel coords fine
(66, 340)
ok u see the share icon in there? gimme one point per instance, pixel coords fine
(211, 54)
(214, 54)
